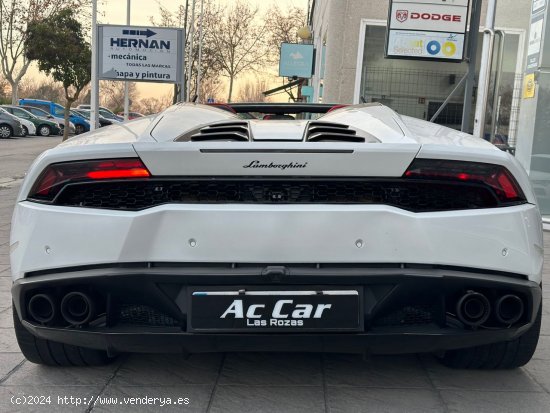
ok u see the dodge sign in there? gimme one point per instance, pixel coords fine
(147, 54)
(429, 29)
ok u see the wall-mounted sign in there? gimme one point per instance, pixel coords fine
(529, 86)
(296, 60)
(136, 53)
(429, 29)
(536, 32)
(426, 45)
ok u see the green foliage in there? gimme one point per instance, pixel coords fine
(58, 45)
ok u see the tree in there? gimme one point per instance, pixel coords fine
(47, 89)
(112, 94)
(237, 42)
(58, 45)
(282, 27)
(149, 106)
(15, 16)
(210, 68)
(3, 89)
(252, 90)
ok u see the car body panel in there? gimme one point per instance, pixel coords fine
(277, 234)
(57, 111)
(13, 122)
(36, 120)
(155, 257)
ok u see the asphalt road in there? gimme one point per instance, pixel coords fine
(236, 382)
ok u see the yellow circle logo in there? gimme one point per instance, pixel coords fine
(530, 85)
(449, 49)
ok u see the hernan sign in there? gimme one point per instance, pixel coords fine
(427, 29)
(146, 54)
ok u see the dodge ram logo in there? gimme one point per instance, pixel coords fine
(402, 15)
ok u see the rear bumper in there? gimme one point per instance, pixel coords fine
(383, 341)
(165, 292)
(501, 239)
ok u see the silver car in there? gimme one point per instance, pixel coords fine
(10, 126)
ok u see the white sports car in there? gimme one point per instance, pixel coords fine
(207, 229)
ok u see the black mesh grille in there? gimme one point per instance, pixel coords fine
(144, 315)
(409, 315)
(418, 196)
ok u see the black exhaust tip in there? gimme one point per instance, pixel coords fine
(473, 309)
(41, 308)
(77, 308)
(509, 309)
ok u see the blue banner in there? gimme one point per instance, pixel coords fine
(296, 60)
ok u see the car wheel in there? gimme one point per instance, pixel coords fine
(6, 131)
(25, 131)
(79, 129)
(503, 355)
(44, 130)
(40, 351)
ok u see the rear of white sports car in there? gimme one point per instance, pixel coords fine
(199, 231)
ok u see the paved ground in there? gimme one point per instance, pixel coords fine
(255, 382)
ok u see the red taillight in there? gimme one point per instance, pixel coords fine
(55, 176)
(118, 169)
(497, 177)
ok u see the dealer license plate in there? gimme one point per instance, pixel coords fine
(325, 310)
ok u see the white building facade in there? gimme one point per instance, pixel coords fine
(349, 38)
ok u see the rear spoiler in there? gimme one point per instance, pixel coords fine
(278, 108)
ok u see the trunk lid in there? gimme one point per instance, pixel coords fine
(276, 158)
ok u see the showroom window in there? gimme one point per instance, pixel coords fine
(417, 88)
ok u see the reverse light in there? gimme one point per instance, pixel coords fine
(56, 176)
(497, 177)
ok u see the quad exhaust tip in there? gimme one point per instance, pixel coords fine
(41, 307)
(77, 308)
(473, 309)
(509, 309)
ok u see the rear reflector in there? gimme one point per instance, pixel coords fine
(497, 177)
(56, 176)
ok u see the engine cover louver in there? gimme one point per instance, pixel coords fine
(334, 132)
(226, 131)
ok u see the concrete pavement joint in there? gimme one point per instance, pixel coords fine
(325, 386)
(12, 371)
(214, 388)
(434, 387)
(109, 380)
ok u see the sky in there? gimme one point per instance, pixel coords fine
(114, 12)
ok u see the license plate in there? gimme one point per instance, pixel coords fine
(324, 310)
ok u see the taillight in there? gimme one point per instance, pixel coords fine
(56, 176)
(497, 177)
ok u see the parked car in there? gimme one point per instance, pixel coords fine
(103, 121)
(56, 110)
(43, 127)
(360, 231)
(28, 127)
(105, 112)
(10, 126)
(131, 115)
(45, 115)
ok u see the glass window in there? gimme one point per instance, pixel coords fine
(418, 88)
(21, 113)
(38, 112)
(43, 106)
(58, 111)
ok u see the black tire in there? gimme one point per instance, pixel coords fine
(5, 131)
(51, 353)
(78, 129)
(44, 130)
(503, 355)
